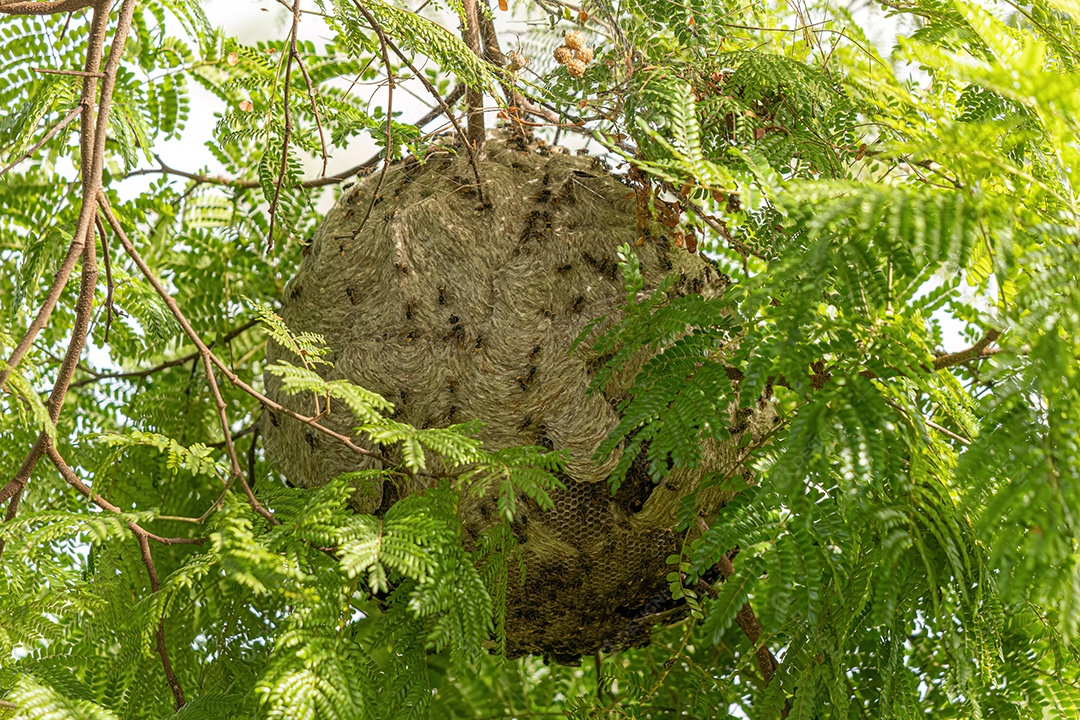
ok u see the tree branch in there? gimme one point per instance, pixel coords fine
(143, 537)
(53, 7)
(91, 164)
(977, 351)
(204, 352)
(48, 136)
(162, 651)
(367, 165)
(383, 44)
(470, 151)
(474, 98)
(285, 135)
(232, 334)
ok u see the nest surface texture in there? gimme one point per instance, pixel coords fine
(457, 309)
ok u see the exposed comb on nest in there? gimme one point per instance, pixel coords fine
(457, 309)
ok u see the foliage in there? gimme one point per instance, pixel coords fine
(899, 227)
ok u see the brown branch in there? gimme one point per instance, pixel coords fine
(207, 357)
(367, 165)
(92, 162)
(78, 73)
(383, 44)
(251, 455)
(162, 651)
(84, 308)
(489, 38)
(469, 150)
(312, 92)
(53, 7)
(206, 354)
(748, 623)
(110, 286)
(83, 239)
(232, 334)
(976, 352)
(48, 136)
(202, 179)
(143, 537)
(12, 510)
(74, 481)
(288, 124)
(474, 98)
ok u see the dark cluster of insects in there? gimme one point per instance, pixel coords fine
(526, 380)
(605, 265)
(537, 225)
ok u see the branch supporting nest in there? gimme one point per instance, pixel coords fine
(474, 98)
(747, 621)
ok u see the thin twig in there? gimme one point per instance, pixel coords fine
(288, 124)
(110, 286)
(143, 537)
(431, 89)
(134, 374)
(388, 150)
(80, 73)
(162, 650)
(205, 352)
(48, 136)
(207, 357)
(312, 92)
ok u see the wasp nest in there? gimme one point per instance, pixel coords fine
(458, 306)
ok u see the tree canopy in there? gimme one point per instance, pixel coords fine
(899, 223)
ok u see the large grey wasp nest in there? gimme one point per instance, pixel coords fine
(457, 309)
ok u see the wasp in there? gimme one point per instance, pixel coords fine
(534, 352)
(479, 343)
(408, 310)
(353, 297)
(442, 295)
(311, 440)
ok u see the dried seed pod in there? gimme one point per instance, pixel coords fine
(574, 40)
(576, 68)
(515, 61)
(585, 55)
(563, 54)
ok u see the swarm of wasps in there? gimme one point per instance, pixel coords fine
(574, 53)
